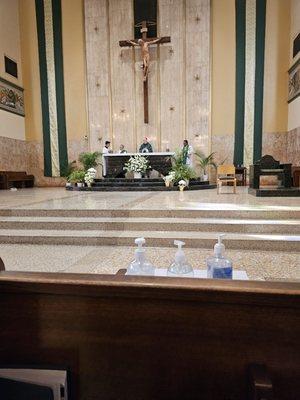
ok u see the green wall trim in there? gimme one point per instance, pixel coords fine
(39, 6)
(240, 20)
(59, 75)
(259, 78)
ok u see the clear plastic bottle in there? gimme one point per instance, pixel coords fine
(140, 265)
(180, 266)
(218, 266)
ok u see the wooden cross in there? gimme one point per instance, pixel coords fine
(143, 43)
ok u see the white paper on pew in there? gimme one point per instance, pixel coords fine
(202, 273)
(47, 377)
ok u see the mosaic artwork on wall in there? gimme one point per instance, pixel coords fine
(11, 97)
(294, 81)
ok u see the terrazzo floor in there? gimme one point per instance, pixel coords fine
(262, 265)
(59, 198)
(107, 259)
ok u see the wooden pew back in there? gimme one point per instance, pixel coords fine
(17, 178)
(152, 338)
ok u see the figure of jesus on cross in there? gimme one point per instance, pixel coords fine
(144, 44)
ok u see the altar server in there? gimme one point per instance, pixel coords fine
(106, 149)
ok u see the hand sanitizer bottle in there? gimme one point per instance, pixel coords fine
(180, 266)
(218, 266)
(140, 266)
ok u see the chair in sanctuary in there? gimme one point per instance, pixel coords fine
(226, 173)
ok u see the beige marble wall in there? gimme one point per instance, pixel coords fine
(283, 146)
(179, 77)
(35, 161)
(275, 144)
(223, 147)
(13, 154)
(19, 155)
(293, 146)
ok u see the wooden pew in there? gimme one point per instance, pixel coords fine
(126, 337)
(18, 179)
(2, 266)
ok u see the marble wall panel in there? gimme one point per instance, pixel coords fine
(275, 144)
(293, 146)
(179, 77)
(13, 154)
(223, 147)
(19, 155)
(172, 73)
(122, 75)
(98, 78)
(35, 161)
(198, 73)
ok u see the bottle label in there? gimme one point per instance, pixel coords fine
(222, 273)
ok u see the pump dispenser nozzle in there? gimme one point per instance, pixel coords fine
(140, 266)
(180, 266)
(140, 241)
(219, 247)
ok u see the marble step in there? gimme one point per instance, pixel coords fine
(127, 183)
(137, 188)
(267, 242)
(153, 224)
(144, 180)
(206, 211)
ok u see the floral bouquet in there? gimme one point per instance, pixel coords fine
(182, 184)
(137, 163)
(90, 176)
(169, 178)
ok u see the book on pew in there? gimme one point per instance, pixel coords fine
(31, 383)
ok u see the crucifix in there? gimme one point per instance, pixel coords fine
(144, 44)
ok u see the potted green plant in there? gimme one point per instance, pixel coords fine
(89, 159)
(67, 170)
(205, 162)
(180, 169)
(77, 177)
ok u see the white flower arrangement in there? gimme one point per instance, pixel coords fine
(90, 176)
(170, 177)
(182, 183)
(137, 163)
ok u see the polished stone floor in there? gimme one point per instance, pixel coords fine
(262, 265)
(59, 198)
(108, 259)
